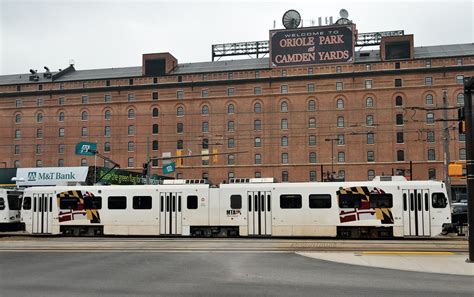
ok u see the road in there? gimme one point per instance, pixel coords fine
(52, 266)
(209, 274)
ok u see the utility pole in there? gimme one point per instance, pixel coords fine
(468, 87)
(148, 160)
(446, 158)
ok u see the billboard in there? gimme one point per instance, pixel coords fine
(312, 45)
(50, 176)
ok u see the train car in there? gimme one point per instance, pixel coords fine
(384, 207)
(10, 205)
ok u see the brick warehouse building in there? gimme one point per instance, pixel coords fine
(368, 116)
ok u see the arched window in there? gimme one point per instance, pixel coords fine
(369, 102)
(340, 103)
(180, 111)
(155, 129)
(257, 107)
(61, 116)
(18, 118)
(312, 123)
(131, 113)
(108, 114)
(311, 105)
(205, 110)
(284, 106)
(155, 112)
(230, 108)
(460, 99)
(398, 101)
(429, 99)
(39, 117)
(430, 118)
(84, 116)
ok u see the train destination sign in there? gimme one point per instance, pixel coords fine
(312, 45)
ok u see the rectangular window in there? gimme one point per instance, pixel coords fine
(399, 119)
(284, 89)
(131, 130)
(107, 131)
(312, 140)
(179, 94)
(230, 126)
(338, 69)
(368, 84)
(400, 155)
(131, 97)
(284, 158)
(257, 90)
(61, 101)
(350, 200)
(154, 95)
(438, 200)
(339, 86)
(370, 156)
(310, 70)
(205, 127)
(459, 61)
(204, 93)
(117, 202)
(400, 137)
(460, 79)
(289, 201)
(85, 99)
(18, 102)
(230, 91)
(69, 203)
(107, 83)
(319, 201)
(231, 143)
(428, 64)
(370, 138)
(141, 202)
(381, 201)
(398, 82)
(93, 202)
(235, 202)
(310, 88)
(192, 202)
(155, 145)
(84, 131)
(61, 148)
(428, 81)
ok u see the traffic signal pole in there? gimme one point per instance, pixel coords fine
(468, 87)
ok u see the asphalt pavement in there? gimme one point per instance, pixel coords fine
(207, 273)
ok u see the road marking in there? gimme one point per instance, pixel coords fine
(406, 253)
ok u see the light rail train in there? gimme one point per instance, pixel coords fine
(384, 207)
(10, 205)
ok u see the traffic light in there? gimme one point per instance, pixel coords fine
(145, 168)
(462, 121)
(214, 156)
(179, 161)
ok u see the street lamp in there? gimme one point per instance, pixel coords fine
(332, 152)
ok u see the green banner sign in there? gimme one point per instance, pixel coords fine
(169, 168)
(86, 148)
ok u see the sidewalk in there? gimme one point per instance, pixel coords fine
(432, 262)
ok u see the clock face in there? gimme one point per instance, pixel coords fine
(291, 19)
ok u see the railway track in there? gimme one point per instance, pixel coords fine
(117, 244)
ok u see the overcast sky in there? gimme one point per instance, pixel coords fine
(111, 34)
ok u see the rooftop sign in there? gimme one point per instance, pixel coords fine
(312, 45)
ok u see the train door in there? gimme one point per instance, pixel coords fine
(42, 214)
(416, 213)
(259, 213)
(170, 213)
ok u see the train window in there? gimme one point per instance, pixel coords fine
(404, 201)
(438, 200)
(34, 204)
(93, 202)
(235, 201)
(141, 202)
(27, 203)
(192, 202)
(14, 200)
(117, 202)
(427, 205)
(174, 203)
(290, 201)
(67, 203)
(256, 203)
(381, 201)
(250, 202)
(412, 202)
(50, 204)
(179, 203)
(162, 203)
(319, 201)
(2, 204)
(350, 200)
(269, 203)
(419, 201)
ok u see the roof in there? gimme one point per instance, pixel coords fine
(427, 52)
